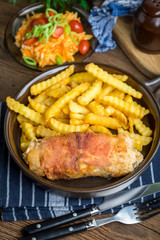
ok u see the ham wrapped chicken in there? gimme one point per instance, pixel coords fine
(78, 155)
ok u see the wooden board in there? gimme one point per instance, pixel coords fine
(149, 64)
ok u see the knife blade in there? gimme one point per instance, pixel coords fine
(108, 203)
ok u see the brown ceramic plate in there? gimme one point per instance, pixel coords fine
(15, 23)
(91, 186)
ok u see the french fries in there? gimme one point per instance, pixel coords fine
(91, 101)
(39, 87)
(91, 93)
(77, 108)
(62, 101)
(108, 122)
(66, 128)
(104, 76)
(25, 111)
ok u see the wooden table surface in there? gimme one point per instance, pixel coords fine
(12, 77)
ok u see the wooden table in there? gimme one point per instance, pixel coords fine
(12, 77)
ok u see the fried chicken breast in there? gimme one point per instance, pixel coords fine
(78, 155)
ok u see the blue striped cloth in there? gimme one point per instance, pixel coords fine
(21, 199)
(103, 20)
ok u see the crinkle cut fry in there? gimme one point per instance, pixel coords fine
(127, 108)
(66, 128)
(91, 93)
(108, 122)
(108, 78)
(39, 87)
(25, 111)
(142, 128)
(62, 101)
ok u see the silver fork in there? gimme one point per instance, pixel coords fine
(129, 215)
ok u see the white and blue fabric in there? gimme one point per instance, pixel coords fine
(103, 20)
(22, 199)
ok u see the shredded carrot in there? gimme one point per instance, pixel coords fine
(46, 53)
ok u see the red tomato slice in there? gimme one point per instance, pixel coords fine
(76, 26)
(83, 46)
(30, 41)
(38, 21)
(58, 32)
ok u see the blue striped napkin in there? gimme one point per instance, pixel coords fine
(21, 199)
(103, 20)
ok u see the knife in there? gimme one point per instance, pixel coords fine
(108, 203)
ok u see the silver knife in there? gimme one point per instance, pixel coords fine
(108, 203)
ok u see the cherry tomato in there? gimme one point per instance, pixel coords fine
(30, 41)
(83, 46)
(58, 32)
(50, 13)
(38, 21)
(76, 26)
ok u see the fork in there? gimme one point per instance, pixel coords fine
(129, 215)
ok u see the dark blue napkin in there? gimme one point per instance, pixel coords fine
(21, 199)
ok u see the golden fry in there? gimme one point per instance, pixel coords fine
(120, 115)
(108, 78)
(63, 120)
(79, 116)
(41, 97)
(39, 87)
(106, 89)
(49, 101)
(39, 107)
(122, 78)
(144, 140)
(42, 131)
(96, 108)
(117, 93)
(21, 119)
(25, 111)
(109, 122)
(58, 92)
(59, 84)
(24, 143)
(62, 101)
(127, 108)
(130, 122)
(65, 109)
(66, 128)
(109, 110)
(91, 93)
(29, 130)
(99, 129)
(77, 108)
(74, 121)
(82, 77)
(142, 128)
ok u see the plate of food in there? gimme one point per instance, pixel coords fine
(83, 130)
(41, 38)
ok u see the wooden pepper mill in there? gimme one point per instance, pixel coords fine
(147, 26)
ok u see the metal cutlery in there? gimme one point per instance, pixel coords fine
(108, 203)
(129, 215)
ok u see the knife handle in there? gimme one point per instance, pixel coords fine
(61, 232)
(58, 221)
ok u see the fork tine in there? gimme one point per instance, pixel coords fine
(147, 209)
(149, 216)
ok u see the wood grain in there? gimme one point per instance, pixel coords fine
(149, 64)
(12, 77)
